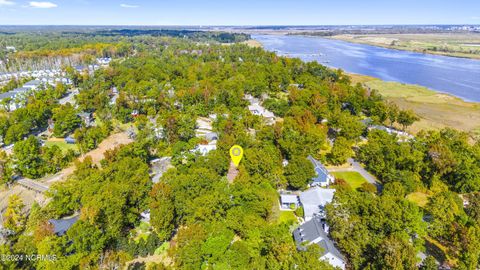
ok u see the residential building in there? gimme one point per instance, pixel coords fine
(61, 226)
(204, 149)
(70, 140)
(289, 201)
(33, 85)
(104, 61)
(145, 216)
(203, 126)
(313, 232)
(8, 102)
(211, 136)
(322, 178)
(86, 118)
(314, 201)
(158, 167)
(402, 135)
(257, 109)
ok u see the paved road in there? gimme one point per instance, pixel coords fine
(33, 185)
(359, 168)
(70, 98)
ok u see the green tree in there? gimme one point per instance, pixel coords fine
(14, 217)
(162, 210)
(445, 208)
(429, 264)
(66, 120)
(395, 253)
(309, 259)
(28, 158)
(341, 151)
(6, 168)
(473, 207)
(407, 118)
(392, 113)
(299, 172)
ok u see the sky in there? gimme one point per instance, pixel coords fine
(238, 12)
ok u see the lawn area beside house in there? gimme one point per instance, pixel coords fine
(354, 179)
(62, 145)
(419, 198)
(287, 217)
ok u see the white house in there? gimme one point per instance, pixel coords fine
(204, 149)
(257, 109)
(8, 101)
(288, 200)
(104, 61)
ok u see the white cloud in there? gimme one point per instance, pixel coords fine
(42, 5)
(128, 6)
(6, 3)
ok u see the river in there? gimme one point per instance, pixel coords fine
(456, 76)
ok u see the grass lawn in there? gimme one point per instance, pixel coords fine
(62, 145)
(287, 217)
(162, 249)
(354, 179)
(419, 198)
(142, 231)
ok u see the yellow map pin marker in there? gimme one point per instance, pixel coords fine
(236, 153)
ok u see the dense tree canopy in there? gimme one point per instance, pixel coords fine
(200, 219)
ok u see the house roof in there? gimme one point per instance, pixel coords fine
(205, 148)
(84, 114)
(61, 226)
(289, 198)
(314, 199)
(7, 95)
(268, 114)
(256, 107)
(21, 90)
(313, 230)
(33, 83)
(322, 173)
(211, 136)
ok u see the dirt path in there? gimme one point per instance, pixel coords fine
(97, 155)
(29, 196)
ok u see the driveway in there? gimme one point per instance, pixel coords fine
(357, 167)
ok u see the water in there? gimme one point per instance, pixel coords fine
(456, 76)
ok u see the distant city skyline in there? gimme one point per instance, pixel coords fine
(247, 12)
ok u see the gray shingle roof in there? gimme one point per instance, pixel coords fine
(313, 231)
(211, 136)
(320, 170)
(34, 83)
(7, 95)
(21, 90)
(61, 226)
(289, 198)
(314, 200)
